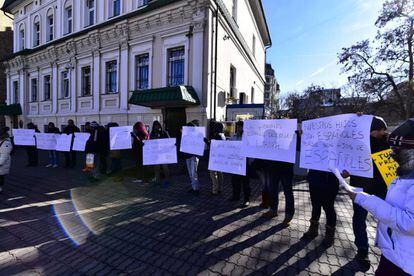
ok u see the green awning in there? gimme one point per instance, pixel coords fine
(178, 96)
(11, 110)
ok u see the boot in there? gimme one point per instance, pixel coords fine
(313, 230)
(329, 236)
(265, 201)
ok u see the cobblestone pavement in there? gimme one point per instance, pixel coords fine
(53, 222)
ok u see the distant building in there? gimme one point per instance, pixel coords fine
(6, 47)
(126, 61)
(272, 92)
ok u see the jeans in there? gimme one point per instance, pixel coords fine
(272, 187)
(238, 181)
(53, 157)
(192, 167)
(116, 165)
(217, 180)
(32, 156)
(323, 198)
(157, 172)
(70, 159)
(359, 224)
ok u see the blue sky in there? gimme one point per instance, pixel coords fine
(307, 35)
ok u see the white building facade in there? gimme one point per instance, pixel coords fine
(83, 59)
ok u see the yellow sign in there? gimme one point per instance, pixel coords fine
(386, 165)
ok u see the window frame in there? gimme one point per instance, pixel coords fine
(83, 84)
(16, 93)
(49, 87)
(68, 25)
(34, 93)
(90, 20)
(22, 38)
(36, 32)
(50, 27)
(140, 65)
(65, 84)
(172, 80)
(111, 69)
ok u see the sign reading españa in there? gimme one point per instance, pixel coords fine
(386, 165)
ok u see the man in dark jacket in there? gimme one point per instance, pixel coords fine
(374, 186)
(32, 154)
(70, 157)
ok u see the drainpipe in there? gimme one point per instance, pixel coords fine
(215, 62)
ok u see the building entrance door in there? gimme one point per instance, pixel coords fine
(174, 119)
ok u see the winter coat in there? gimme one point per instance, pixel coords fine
(159, 135)
(6, 148)
(374, 186)
(98, 143)
(71, 129)
(395, 216)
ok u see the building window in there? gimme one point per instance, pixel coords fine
(142, 72)
(33, 88)
(141, 3)
(111, 76)
(86, 81)
(21, 38)
(234, 10)
(115, 7)
(50, 27)
(233, 91)
(68, 20)
(176, 66)
(254, 46)
(36, 33)
(90, 13)
(65, 84)
(15, 92)
(46, 87)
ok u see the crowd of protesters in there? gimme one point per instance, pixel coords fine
(393, 207)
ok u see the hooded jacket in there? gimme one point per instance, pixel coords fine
(6, 148)
(395, 215)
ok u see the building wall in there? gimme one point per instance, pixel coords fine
(185, 23)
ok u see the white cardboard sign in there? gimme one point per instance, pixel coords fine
(226, 156)
(46, 141)
(160, 151)
(192, 140)
(120, 137)
(79, 141)
(24, 137)
(64, 142)
(270, 139)
(341, 142)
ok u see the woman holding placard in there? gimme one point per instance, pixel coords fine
(395, 214)
(53, 154)
(217, 178)
(158, 133)
(139, 134)
(6, 148)
(32, 154)
(191, 162)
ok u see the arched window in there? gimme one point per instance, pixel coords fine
(21, 42)
(50, 25)
(67, 17)
(114, 7)
(36, 31)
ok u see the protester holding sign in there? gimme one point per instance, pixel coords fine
(323, 189)
(70, 157)
(6, 148)
(32, 154)
(191, 161)
(395, 214)
(139, 134)
(239, 181)
(116, 160)
(158, 133)
(217, 178)
(96, 148)
(374, 186)
(53, 154)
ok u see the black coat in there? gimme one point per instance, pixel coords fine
(374, 186)
(71, 129)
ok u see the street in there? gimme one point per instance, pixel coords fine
(54, 222)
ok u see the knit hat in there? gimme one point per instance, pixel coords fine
(403, 136)
(378, 123)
